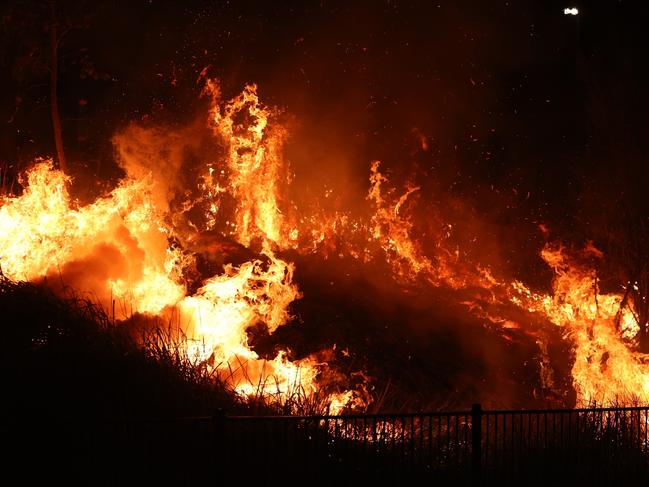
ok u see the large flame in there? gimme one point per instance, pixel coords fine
(606, 369)
(602, 327)
(256, 168)
(133, 250)
(118, 250)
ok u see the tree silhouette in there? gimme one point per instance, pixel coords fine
(34, 54)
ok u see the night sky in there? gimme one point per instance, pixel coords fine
(530, 116)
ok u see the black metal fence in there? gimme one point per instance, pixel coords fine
(598, 446)
(351, 448)
(601, 446)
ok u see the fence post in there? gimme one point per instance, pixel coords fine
(476, 444)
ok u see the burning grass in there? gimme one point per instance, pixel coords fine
(85, 394)
(206, 254)
(66, 356)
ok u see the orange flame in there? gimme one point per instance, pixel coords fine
(256, 166)
(44, 232)
(606, 369)
(118, 249)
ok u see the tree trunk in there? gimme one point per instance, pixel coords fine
(54, 98)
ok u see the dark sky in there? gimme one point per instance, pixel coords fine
(521, 105)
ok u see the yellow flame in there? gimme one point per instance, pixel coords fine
(44, 232)
(255, 163)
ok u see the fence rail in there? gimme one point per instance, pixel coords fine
(601, 446)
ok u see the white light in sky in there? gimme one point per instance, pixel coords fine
(571, 11)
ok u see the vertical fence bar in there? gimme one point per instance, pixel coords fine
(512, 444)
(578, 444)
(487, 443)
(430, 441)
(439, 441)
(520, 437)
(646, 424)
(496, 458)
(528, 441)
(375, 447)
(465, 458)
(345, 439)
(421, 440)
(638, 428)
(607, 442)
(503, 442)
(538, 431)
(404, 451)
(364, 455)
(476, 444)
(570, 445)
(456, 447)
(545, 431)
(448, 441)
(412, 442)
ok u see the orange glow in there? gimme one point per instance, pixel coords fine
(392, 230)
(118, 249)
(44, 232)
(123, 248)
(606, 369)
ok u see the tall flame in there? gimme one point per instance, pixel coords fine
(606, 369)
(255, 163)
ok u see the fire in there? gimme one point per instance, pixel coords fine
(256, 166)
(44, 233)
(227, 304)
(392, 230)
(606, 370)
(134, 248)
(602, 329)
(118, 250)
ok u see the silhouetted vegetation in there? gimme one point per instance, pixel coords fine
(72, 382)
(87, 402)
(65, 357)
